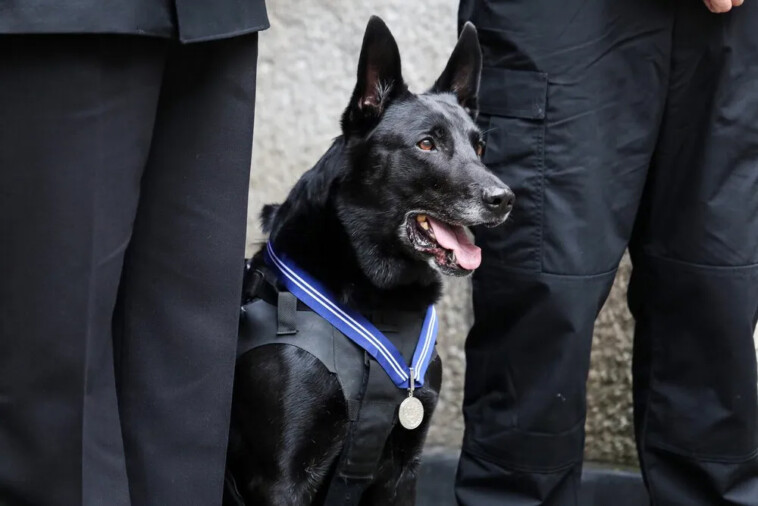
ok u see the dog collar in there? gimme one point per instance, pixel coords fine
(357, 328)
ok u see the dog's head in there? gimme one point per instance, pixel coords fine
(415, 179)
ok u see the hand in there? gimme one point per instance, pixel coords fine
(719, 6)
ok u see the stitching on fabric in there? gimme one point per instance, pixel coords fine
(698, 457)
(694, 265)
(541, 167)
(482, 454)
(533, 273)
(227, 35)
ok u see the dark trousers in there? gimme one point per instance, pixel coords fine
(617, 123)
(124, 167)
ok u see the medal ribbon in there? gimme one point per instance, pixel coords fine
(356, 327)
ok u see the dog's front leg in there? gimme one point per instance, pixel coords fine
(406, 488)
(394, 485)
(283, 493)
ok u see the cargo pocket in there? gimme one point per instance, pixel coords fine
(512, 115)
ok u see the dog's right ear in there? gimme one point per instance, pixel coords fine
(379, 78)
(463, 71)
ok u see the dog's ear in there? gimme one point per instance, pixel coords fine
(463, 71)
(267, 216)
(379, 78)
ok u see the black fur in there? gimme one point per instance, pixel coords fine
(268, 215)
(345, 223)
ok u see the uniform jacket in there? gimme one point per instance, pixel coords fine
(187, 20)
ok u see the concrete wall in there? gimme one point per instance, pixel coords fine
(306, 73)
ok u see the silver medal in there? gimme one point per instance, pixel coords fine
(411, 412)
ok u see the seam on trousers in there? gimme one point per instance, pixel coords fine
(96, 174)
(738, 459)
(697, 266)
(581, 276)
(578, 425)
(541, 166)
(533, 272)
(643, 435)
(482, 454)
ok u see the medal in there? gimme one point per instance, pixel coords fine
(411, 411)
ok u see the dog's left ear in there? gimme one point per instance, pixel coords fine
(463, 71)
(379, 78)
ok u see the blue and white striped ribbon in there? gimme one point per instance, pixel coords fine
(356, 327)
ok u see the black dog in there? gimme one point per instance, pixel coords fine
(376, 221)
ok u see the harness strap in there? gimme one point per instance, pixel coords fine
(346, 491)
(367, 437)
(286, 314)
(353, 408)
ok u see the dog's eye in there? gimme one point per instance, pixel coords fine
(426, 144)
(479, 147)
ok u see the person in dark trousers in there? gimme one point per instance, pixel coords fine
(125, 142)
(618, 123)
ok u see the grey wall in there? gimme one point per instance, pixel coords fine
(306, 73)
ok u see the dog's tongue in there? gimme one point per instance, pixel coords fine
(454, 238)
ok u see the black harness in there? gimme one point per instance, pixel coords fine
(272, 315)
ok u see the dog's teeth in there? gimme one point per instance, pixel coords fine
(421, 218)
(424, 225)
(451, 257)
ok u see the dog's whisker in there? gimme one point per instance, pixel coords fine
(489, 130)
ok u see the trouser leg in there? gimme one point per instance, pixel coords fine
(694, 288)
(178, 307)
(571, 97)
(76, 115)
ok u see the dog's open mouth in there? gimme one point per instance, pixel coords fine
(448, 244)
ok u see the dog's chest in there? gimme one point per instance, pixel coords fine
(371, 397)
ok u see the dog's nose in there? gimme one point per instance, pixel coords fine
(498, 199)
